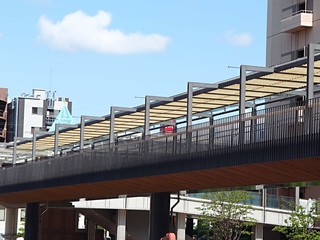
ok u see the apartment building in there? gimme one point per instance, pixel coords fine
(3, 113)
(291, 26)
(34, 112)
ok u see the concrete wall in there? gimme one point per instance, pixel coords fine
(31, 119)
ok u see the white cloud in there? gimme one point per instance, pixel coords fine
(78, 31)
(241, 39)
(1, 34)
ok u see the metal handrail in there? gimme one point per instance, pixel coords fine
(269, 124)
(301, 11)
(297, 13)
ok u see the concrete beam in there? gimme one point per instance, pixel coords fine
(11, 223)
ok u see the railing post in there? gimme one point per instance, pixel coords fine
(14, 154)
(34, 145)
(211, 133)
(175, 143)
(253, 125)
(56, 139)
(166, 145)
(197, 140)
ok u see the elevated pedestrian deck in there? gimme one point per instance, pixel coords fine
(278, 145)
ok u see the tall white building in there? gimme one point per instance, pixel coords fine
(34, 112)
(292, 25)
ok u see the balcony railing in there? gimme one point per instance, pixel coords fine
(297, 21)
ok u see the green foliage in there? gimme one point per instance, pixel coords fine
(20, 232)
(301, 223)
(225, 216)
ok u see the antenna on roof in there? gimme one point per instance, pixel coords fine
(50, 78)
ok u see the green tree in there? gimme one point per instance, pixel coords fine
(225, 216)
(300, 224)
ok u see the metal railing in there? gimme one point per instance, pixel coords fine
(281, 123)
(301, 11)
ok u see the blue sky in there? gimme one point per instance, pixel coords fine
(103, 53)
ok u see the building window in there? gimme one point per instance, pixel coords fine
(300, 53)
(37, 110)
(34, 110)
(23, 215)
(301, 6)
(2, 214)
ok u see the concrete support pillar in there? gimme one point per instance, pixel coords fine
(32, 225)
(91, 230)
(258, 231)
(11, 224)
(159, 218)
(121, 224)
(297, 196)
(181, 226)
(189, 227)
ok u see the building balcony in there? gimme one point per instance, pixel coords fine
(297, 22)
